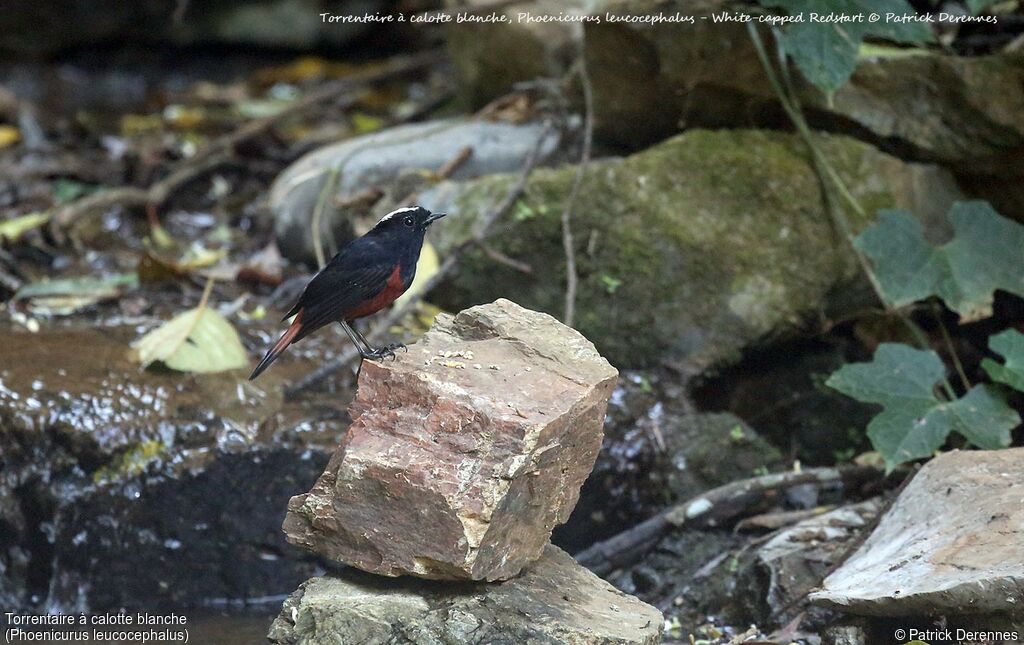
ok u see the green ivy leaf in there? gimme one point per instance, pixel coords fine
(984, 255)
(914, 422)
(1009, 344)
(826, 53)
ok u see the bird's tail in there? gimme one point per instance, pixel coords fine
(286, 339)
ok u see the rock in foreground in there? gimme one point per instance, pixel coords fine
(952, 543)
(555, 601)
(463, 453)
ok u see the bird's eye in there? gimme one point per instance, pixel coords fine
(408, 221)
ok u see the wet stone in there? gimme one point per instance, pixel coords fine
(122, 487)
(554, 601)
(463, 453)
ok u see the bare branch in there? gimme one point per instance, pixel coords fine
(501, 258)
(571, 275)
(711, 508)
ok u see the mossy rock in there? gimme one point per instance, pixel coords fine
(691, 250)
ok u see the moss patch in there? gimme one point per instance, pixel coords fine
(712, 241)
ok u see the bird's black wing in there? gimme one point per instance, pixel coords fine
(356, 274)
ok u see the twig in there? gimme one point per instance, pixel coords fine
(365, 198)
(132, 197)
(398, 313)
(501, 258)
(463, 155)
(316, 222)
(571, 275)
(711, 508)
(957, 364)
(779, 519)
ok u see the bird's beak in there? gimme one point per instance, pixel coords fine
(434, 217)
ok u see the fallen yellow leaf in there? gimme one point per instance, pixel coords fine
(9, 135)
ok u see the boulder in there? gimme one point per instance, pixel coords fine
(491, 57)
(648, 83)
(930, 105)
(393, 161)
(463, 453)
(950, 544)
(690, 251)
(554, 601)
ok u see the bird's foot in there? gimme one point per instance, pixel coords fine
(387, 351)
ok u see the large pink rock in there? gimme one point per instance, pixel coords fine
(463, 453)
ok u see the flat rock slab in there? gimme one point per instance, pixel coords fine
(952, 543)
(554, 601)
(463, 453)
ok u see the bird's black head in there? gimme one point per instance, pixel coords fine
(405, 222)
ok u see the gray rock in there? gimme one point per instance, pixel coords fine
(648, 83)
(554, 602)
(689, 251)
(381, 159)
(951, 544)
(463, 453)
(944, 108)
(794, 560)
(490, 58)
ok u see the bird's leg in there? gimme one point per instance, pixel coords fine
(366, 350)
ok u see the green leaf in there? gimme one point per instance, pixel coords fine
(109, 285)
(198, 340)
(826, 52)
(1009, 344)
(67, 296)
(66, 190)
(12, 229)
(984, 255)
(914, 422)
